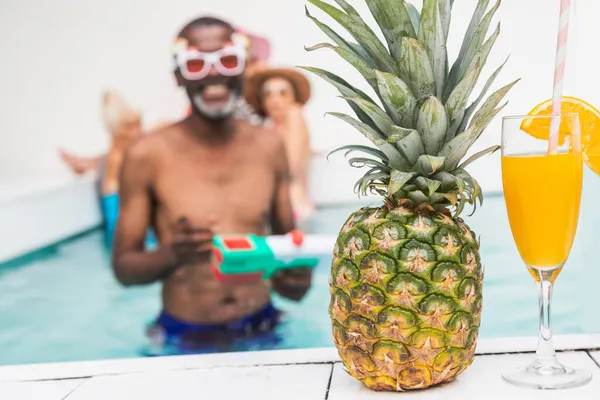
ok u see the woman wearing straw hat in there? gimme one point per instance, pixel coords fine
(278, 94)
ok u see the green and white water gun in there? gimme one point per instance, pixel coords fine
(250, 258)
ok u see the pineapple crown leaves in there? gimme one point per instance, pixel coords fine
(420, 121)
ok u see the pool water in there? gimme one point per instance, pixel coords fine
(63, 304)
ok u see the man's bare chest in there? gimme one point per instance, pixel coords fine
(237, 188)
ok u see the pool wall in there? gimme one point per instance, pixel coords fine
(41, 214)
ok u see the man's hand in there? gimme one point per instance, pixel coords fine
(191, 243)
(292, 283)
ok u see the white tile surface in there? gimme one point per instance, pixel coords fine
(156, 364)
(46, 390)
(291, 382)
(275, 357)
(481, 381)
(596, 356)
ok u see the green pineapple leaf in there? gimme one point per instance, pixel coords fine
(361, 162)
(340, 41)
(414, 14)
(370, 133)
(397, 98)
(362, 34)
(427, 165)
(431, 34)
(451, 197)
(461, 206)
(456, 149)
(379, 117)
(398, 179)
(478, 155)
(478, 39)
(457, 102)
(454, 78)
(490, 104)
(408, 142)
(345, 89)
(351, 11)
(485, 120)
(357, 147)
(481, 58)
(394, 20)
(415, 68)
(418, 197)
(427, 185)
(432, 123)
(396, 159)
(460, 184)
(484, 51)
(471, 109)
(472, 183)
(353, 59)
(370, 177)
(448, 181)
(343, 86)
(453, 185)
(445, 9)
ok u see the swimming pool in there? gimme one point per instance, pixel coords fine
(63, 304)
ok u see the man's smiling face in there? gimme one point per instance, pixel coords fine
(213, 90)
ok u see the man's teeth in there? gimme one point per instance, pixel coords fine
(215, 90)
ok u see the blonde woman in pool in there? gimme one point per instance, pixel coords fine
(124, 124)
(279, 95)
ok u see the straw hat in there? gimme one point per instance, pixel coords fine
(253, 85)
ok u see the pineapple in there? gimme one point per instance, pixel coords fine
(406, 277)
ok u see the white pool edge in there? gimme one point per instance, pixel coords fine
(73, 370)
(41, 214)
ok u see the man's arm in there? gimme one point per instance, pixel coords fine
(291, 283)
(131, 264)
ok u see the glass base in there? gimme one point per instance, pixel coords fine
(548, 375)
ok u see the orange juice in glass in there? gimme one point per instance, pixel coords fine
(543, 194)
(542, 191)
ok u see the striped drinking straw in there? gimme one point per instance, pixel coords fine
(559, 74)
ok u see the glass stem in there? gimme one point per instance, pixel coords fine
(545, 350)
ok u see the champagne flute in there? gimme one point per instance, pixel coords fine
(592, 157)
(542, 191)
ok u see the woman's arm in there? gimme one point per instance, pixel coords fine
(297, 142)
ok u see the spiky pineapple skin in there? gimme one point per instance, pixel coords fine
(406, 297)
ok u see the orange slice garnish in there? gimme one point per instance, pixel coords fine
(589, 120)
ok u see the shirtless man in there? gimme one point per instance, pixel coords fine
(207, 174)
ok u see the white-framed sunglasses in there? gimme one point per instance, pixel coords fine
(195, 65)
